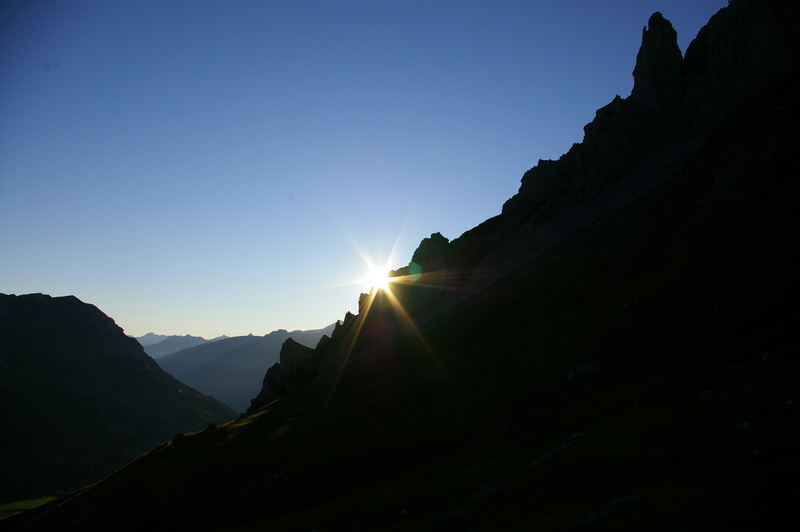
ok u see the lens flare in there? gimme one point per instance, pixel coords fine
(378, 279)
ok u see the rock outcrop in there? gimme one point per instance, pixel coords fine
(431, 254)
(297, 367)
(658, 63)
(298, 364)
(272, 388)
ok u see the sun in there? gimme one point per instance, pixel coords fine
(378, 278)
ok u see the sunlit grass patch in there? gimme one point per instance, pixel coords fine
(15, 507)
(280, 431)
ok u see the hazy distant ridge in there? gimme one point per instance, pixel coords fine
(159, 345)
(231, 370)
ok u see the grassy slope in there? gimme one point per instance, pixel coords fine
(13, 508)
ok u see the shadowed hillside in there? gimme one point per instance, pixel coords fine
(79, 398)
(615, 351)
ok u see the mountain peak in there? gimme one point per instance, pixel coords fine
(659, 59)
(431, 251)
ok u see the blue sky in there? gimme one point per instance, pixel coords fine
(212, 167)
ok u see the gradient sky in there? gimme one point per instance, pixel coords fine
(212, 167)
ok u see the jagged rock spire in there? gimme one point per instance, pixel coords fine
(658, 62)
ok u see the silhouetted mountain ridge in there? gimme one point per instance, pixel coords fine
(633, 144)
(79, 398)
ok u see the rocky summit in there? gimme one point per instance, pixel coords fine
(614, 351)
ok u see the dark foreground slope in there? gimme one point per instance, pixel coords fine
(637, 373)
(231, 369)
(79, 398)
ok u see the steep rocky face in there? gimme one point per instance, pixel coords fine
(298, 366)
(79, 398)
(273, 387)
(739, 52)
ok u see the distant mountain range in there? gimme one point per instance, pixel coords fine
(79, 398)
(231, 369)
(151, 338)
(171, 344)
